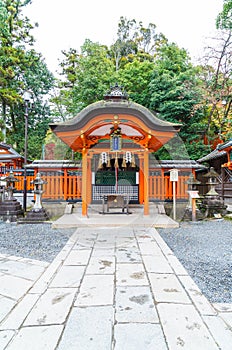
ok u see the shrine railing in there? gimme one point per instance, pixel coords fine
(61, 187)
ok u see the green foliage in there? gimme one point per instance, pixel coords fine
(135, 42)
(87, 76)
(155, 73)
(174, 90)
(224, 19)
(21, 68)
(135, 77)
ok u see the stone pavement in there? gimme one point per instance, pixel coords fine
(108, 289)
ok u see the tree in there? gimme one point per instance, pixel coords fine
(87, 76)
(135, 77)
(224, 19)
(174, 91)
(135, 42)
(21, 68)
(216, 77)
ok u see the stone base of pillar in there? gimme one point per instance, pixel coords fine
(35, 216)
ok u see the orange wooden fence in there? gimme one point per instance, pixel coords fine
(60, 187)
(160, 187)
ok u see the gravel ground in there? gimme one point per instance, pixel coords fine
(34, 241)
(205, 250)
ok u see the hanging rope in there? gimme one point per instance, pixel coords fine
(116, 172)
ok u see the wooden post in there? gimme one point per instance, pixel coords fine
(65, 184)
(162, 187)
(194, 207)
(84, 183)
(223, 183)
(146, 182)
(89, 181)
(174, 180)
(174, 200)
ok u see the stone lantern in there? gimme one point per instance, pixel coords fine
(10, 208)
(212, 203)
(38, 191)
(212, 182)
(37, 214)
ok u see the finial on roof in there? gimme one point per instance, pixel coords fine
(116, 93)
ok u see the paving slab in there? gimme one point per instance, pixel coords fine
(184, 328)
(5, 337)
(167, 289)
(6, 304)
(220, 330)
(135, 304)
(199, 300)
(78, 257)
(19, 313)
(131, 275)
(177, 267)
(36, 338)
(134, 336)
(96, 290)
(88, 328)
(227, 318)
(150, 248)
(128, 255)
(68, 276)
(104, 265)
(223, 307)
(52, 308)
(8, 286)
(23, 269)
(157, 264)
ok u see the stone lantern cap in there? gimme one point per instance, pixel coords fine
(211, 173)
(10, 178)
(192, 181)
(38, 180)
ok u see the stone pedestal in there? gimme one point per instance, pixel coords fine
(36, 216)
(11, 210)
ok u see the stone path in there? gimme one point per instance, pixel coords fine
(108, 289)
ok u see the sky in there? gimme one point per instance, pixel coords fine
(67, 23)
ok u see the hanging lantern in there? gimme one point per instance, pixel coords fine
(99, 164)
(128, 156)
(123, 162)
(133, 165)
(104, 158)
(108, 161)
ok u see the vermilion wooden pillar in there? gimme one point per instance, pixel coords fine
(146, 183)
(141, 180)
(84, 182)
(89, 181)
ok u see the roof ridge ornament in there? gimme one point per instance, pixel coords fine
(116, 93)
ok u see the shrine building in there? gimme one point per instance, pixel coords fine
(115, 137)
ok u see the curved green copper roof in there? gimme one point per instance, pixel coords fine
(115, 107)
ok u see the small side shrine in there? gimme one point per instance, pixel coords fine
(226, 147)
(115, 137)
(9, 158)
